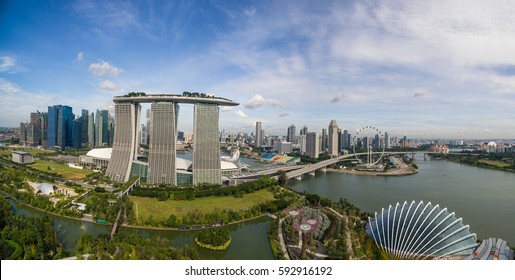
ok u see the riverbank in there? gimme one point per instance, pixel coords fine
(486, 161)
(390, 173)
(18, 202)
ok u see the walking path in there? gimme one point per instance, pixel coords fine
(307, 250)
(113, 231)
(281, 239)
(348, 239)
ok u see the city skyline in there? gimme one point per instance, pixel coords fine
(425, 70)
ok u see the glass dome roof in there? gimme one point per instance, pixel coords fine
(419, 231)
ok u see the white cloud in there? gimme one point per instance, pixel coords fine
(79, 58)
(226, 108)
(255, 102)
(7, 63)
(241, 114)
(282, 115)
(258, 101)
(103, 68)
(108, 85)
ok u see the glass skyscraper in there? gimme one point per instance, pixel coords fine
(60, 126)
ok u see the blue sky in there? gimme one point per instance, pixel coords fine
(417, 68)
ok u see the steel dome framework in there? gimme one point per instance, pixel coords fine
(420, 231)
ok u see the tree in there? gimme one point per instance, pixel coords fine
(282, 178)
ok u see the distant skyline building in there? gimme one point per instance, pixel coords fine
(312, 144)
(60, 125)
(290, 136)
(304, 130)
(302, 143)
(84, 128)
(64, 127)
(259, 135)
(346, 139)
(91, 130)
(324, 140)
(333, 138)
(102, 128)
(386, 140)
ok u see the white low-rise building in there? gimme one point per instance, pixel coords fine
(97, 157)
(22, 157)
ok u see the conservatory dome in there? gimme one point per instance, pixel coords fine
(419, 231)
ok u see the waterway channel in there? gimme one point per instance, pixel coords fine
(249, 239)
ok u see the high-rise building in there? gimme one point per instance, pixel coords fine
(102, 128)
(324, 139)
(340, 139)
(143, 133)
(65, 127)
(206, 148)
(387, 140)
(149, 123)
(126, 141)
(44, 129)
(161, 167)
(91, 130)
(60, 125)
(77, 133)
(377, 142)
(52, 125)
(110, 130)
(312, 144)
(259, 135)
(23, 133)
(302, 143)
(162, 154)
(290, 137)
(346, 137)
(304, 130)
(34, 130)
(333, 139)
(84, 128)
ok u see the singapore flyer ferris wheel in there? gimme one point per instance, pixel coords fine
(369, 141)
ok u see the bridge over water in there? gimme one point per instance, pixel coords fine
(295, 171)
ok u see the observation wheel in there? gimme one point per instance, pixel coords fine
(369, 141)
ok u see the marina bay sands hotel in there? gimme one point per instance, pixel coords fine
(162, 156)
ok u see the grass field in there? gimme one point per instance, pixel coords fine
(30, 151)
(498, 164)
(147, 206)
(68, 173)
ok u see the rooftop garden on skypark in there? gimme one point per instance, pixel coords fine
(134, 94)
(184, 94)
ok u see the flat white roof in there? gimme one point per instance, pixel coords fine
(103, 153)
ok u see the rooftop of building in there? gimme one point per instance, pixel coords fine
(102, 153)
(192, 99)
(21, 153)
(46, 188)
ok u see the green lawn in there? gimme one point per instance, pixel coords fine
(30, 151)
(147, 206)
(69, 173)
(496, 163)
